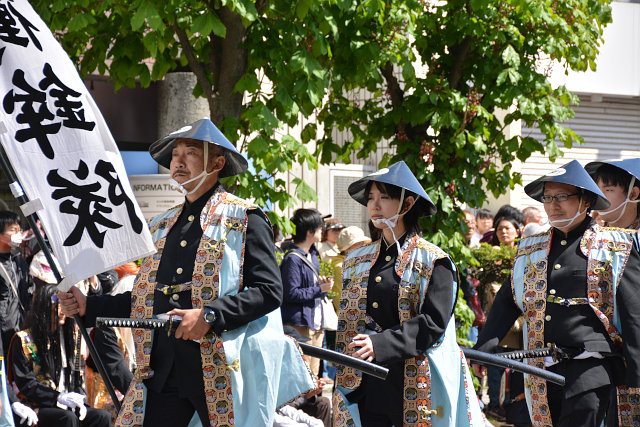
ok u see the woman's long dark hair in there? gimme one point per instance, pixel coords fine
(410, 218)
(44, 311)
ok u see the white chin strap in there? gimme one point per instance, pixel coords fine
(560, 223)
(622, 205)
(393, 221)
(201, 176)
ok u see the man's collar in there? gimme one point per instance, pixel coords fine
(580, 229)
(199, 203)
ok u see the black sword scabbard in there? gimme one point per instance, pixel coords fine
(172, 323)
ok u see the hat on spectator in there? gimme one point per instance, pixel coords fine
(333, 224)
(399, 175)
(571, 173)
(350, 236)
(203, 130)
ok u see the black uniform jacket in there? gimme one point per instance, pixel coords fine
(15, 271)
(106, 342)
(577, 327)
(396, 342)
(177, 363)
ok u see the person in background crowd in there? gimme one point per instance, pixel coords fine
(328, 247)
(484, 223)
(30, 245)
(125, 270)
(45, 366)
(349, 238)
(532, 215)
(16, 285)
(116, 349)
(303, 286)
(397, 310)
(507, 231)
(563, 281)
(533, 223)
(311, 403)
(467, 283)
(505, 211)
(470, 237)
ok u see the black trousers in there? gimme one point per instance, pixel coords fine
(170, 410)
(587, 409)
(391, 417)
(56, 417)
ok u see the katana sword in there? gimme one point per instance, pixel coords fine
(503, 362)
(169, 324)
(557, 353)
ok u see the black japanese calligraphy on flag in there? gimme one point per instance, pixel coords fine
(62, 151)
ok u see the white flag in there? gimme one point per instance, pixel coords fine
(62, 151)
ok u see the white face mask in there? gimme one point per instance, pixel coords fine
(564, 223)
(16, 240)
(622, 205)
(201, 176)
(392, 221)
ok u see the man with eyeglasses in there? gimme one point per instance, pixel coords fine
(574, 285)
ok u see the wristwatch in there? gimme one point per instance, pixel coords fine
(209, 316)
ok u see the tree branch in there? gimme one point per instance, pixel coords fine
(194, 65)
(396, 93)
(461, 53)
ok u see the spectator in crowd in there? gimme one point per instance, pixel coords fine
(303, 286)
(533, 223)
(532, 215)
(312, 403)
(467, 283)
(16, 285)
(505, 211)
(116, 349)
(45, 366)
(328, 247)
(127, 269)
(470, 237)
(484, 223)
(349, 238)
(507, 231)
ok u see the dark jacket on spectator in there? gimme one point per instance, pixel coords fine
(300, 288)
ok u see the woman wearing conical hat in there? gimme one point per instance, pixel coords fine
(396, 309)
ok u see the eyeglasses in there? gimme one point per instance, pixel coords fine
(558, 197)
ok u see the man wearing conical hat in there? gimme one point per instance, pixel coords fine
(619, 180)
(229, 362)
(575, 285)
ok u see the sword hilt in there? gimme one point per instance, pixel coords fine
(162, 322)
